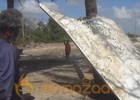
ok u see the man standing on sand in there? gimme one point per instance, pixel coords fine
(10, 23)
(67, 49)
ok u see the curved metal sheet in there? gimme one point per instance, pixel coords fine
(107, 47)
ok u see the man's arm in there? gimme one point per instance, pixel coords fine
(8, 75)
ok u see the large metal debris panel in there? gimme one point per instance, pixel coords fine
(108, 49)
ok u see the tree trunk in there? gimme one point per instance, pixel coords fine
(91, 8)
(10, 4)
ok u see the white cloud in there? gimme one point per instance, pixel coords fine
(123, 16)
(76, 1)
(52, 6)
(137, 5)
(129, 19)
(122, 13)
(31, 7)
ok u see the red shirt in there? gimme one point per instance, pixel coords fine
(67, 48)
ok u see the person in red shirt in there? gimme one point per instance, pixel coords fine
(67, 49)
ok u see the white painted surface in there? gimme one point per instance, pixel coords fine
(108, 49)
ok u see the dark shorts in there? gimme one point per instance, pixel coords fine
(67, 53)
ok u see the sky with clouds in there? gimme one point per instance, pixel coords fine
(124, 12)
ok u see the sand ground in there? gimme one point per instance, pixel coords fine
(48, 71)
(45, 66)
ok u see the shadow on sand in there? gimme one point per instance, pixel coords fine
(34, 65)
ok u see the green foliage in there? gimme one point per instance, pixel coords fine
(43, 33)
(131, 35)
(55, 32)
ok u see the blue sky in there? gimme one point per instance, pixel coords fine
(121, 11)
(118, 3)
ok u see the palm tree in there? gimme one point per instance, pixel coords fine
(10, 4)
(91, 8)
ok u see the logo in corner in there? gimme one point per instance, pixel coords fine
(23, 82)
